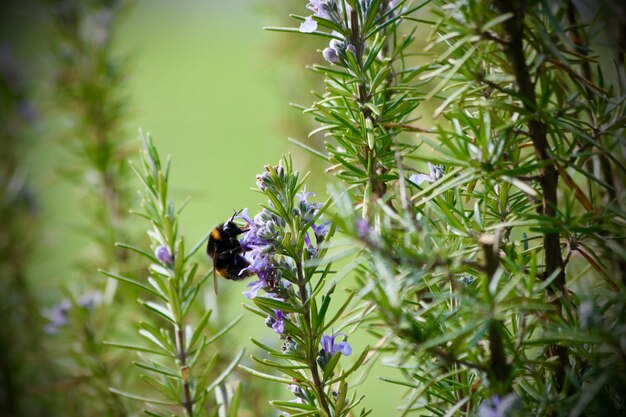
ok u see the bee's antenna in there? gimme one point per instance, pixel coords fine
(235, 214)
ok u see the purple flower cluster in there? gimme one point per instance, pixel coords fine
(59, 314)
(271, 177)
(259, 245)
(263, 248)
(307, 211)
(324, 9)
(336, 51)
(264, 235)
(333, 11)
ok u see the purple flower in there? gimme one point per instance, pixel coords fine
(258, 243)
(262, 179)
(90, 300)
(331, 348)
(435, 173)
(319, 7)
(320, 231)
(331, 55)
(243, 214)
(304, 195)
(267, 274)
(307, 241)
(261, 284)
(337, 50)
(325, 9)
(254, 286)
(308, 26)
(259, 263)
(295, 390)
(502, 407)
(279, 322)
(58, 315)
(163, 254)
(362, 228)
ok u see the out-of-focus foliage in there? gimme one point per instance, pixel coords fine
(18, 236)
(484, 274)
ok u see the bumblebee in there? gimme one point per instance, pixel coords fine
(226, 251)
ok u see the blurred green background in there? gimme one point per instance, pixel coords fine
(212, 87)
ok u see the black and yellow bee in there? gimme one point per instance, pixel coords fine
(226, 251)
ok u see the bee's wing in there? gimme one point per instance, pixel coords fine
(214, 281)
(214, 275)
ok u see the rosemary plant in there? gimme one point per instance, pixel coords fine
(285, 245)
(484, 273)
(22, 358)
(176, 360)
(88, 87)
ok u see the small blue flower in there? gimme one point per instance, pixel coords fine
(296, 390)
(279, 322)
(362, 228)
(331, 55)
(263, 283)
(324, 9)
(58, 315)
(254, 286)
(259, 263)
(336, 50)
(308, 26)
(435, 172)
(320, 231)
(163, 254)
(304, 195)
(307, 241)
(243, 214)
(502, 407)
(331, 348)
(269, 279)
(320, 9)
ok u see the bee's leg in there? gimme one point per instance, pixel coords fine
(227, 254)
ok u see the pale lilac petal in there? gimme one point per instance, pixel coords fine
(420, 178)
(345, 348)
(304, 194)
(254, 289)
(308, 26)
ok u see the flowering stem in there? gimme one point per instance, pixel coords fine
(311, 352)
